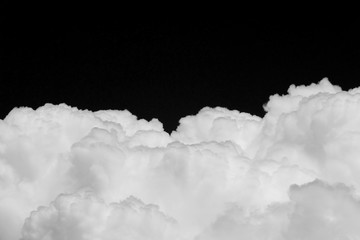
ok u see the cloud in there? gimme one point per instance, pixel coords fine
(315, 211)
(67, 173)
(84, 216)
(321, 211)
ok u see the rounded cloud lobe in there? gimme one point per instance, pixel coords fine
(84, 216)
(67, 173)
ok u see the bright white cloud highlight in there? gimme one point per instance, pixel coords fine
(67, 173)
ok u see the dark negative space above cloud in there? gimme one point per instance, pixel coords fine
(67, 173)
(170, 70)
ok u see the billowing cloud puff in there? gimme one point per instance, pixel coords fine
(321, 211)
(84, 216)
(315, 211)
(223, 174)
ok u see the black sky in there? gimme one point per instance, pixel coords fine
(170, 70)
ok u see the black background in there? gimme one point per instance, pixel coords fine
(170, 70)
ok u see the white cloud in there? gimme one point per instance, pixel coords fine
(321, 211)
(315, 211)
(84, 216)
(222, 174)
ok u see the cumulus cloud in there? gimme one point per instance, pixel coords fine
(315, 211)
(67, 173)
(84, 216)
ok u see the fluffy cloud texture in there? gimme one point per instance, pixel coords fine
(294, 174)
